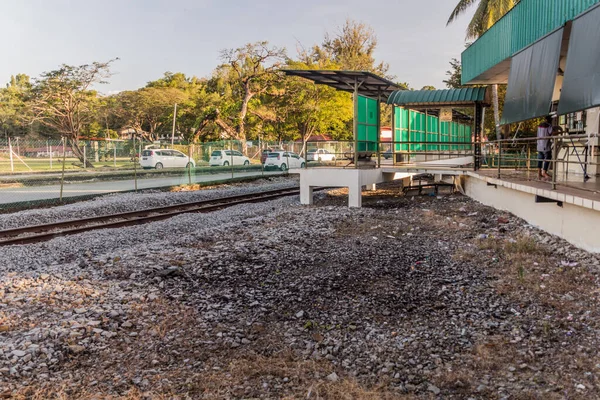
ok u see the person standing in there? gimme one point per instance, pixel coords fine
(544, 147)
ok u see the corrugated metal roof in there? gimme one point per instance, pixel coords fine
(440, 98)
(527, 22)
(369, 84)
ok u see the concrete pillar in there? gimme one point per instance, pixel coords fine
(372, 187)
(437, 177)
(306, 195)
(355, 195)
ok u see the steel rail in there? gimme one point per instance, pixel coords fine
(49, 231)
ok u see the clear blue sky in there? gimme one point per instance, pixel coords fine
(154, 36)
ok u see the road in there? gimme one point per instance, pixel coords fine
(33, 193)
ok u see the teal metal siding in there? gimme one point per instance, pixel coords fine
(409, 126)
(437, 97)
(527, 22)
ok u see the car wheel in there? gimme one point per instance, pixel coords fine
(158, 166)
(319, 159)
(302, 165)
(246, 163)
(189, 165)
(332, 158)
(283, 167)
(225, 163)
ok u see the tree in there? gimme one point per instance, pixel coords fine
(454, 80)
(352, 48)
(14, 114)
(299, 109)
(486, 15)
(428, 87)
(149, 109)
(63, 100)
(247, 72)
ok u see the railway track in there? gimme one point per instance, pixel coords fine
(44, 232)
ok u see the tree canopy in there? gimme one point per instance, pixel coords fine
(246, 97)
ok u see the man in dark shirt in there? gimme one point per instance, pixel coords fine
(544, 146)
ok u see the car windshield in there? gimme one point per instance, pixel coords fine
(147, 152)
(216, 153)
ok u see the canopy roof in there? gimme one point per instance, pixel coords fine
(439, 98)
(368, 83)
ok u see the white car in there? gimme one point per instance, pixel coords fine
(165, 158)
(284, 160)
(223, 158)
(320, 155)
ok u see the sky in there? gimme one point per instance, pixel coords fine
(151, 37)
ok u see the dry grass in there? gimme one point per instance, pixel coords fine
(531, 277)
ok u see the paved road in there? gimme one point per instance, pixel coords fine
(32, 193)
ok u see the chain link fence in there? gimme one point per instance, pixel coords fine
(54, 171)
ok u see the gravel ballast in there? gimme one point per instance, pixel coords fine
(427, 297)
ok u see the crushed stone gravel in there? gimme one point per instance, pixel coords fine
(406, 296)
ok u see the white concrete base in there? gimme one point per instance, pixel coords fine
(576, 224)
(353, 179)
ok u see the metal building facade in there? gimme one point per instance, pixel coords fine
(517, 30)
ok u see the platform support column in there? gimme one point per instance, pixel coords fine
(306, 195)
(355, 195)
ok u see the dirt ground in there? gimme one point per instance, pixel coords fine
(410, 297)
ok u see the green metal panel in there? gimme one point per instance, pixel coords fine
(452, 134)
(437, 97)
(362, 136)
(367, 124)
(362, 110)
(400, 128)
(527, 22)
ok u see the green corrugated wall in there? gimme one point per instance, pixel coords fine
(457, 135)
(367, 124)
(527, 22)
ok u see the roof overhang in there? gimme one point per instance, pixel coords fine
(464, 97)
(487, 60)
(366, 83)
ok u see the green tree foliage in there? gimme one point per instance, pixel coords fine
(14, 113)
(64, 100)
(486, 14)
(246, 73)
(299, 109)
(148, 111)
(352, 47)
(246, 97)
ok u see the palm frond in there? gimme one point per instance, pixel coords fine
(460, 8)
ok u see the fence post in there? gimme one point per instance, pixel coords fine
(115, 155)
(84, 155)
(10, 152)
(135, 161)
(499, 158)
(189, 164)
(62, 177)
(554, 159)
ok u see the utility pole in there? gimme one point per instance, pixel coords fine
(174, 121)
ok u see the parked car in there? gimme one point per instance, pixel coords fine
(165, 158)
(320, 155)
(223, 158)
(284, 160)
(265, 153)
